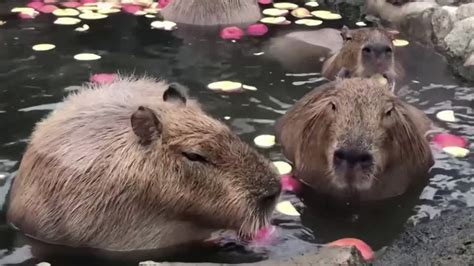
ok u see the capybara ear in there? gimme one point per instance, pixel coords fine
(175, 93)
(145, 124)
(346, 33)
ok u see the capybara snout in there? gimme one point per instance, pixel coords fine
(137, 164)
(354, 138)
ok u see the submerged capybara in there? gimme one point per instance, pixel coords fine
(353, 139)
(365, 52)
(135, 164)
(211, 13)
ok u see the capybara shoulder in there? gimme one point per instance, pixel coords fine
(210, 13)
(136, 164)
(365, 53)
(353, 138)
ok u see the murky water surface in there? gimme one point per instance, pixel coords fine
(32, 83)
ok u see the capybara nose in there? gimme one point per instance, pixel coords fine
(353, 157)
(377, 49)
(270, 196)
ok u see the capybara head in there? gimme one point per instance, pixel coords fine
(365, 53)
(354, 138)
(374, 50)
(218, 177)
(136, 164)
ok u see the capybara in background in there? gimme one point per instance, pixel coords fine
(135, 164)
(211, 13)
(365, 53)
(353, 139)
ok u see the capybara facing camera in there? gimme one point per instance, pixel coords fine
(365, 52)
(136, 164)
(353, 139)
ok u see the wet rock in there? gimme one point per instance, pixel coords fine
(465, 11)
(442, 22)
(445, 240)
(458, 39)
(324, 256)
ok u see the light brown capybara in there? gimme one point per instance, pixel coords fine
(134, 165)
(211, 13)
(365, 53)
(354, 139)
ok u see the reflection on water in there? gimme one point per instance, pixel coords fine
(33, 83)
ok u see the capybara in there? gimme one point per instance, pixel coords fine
(365, 52)
(135, 164)
(353, 139)
(211, 13)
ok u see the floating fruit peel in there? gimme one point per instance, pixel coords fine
(84, 27)
(92, 16)
(67, 12)
(456, 151)
(164, 25)
(446, 115)
(264, 141)
(43, 47)
(309, 22)
(312, 4)
(285, 5)
(275, 20)
(67, 21)
(364, 249)
(285, 207)
(327, 15)
(400, 42)
(225, 85)
(275, 12)
(282, 167)
(87, 57)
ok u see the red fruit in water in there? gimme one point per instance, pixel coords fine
(449, 140)
(88, 1)
(232, 33)
(265, 2)
(131, 8)
(71, 4)
(163, 3)
(257, 29)
(364, 249)
(35, 5)
(47, 9)
(289, 183)
(103, 78)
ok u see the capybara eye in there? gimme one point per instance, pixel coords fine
(366, 50)
(388, 50)
(389, 112)
(333, 106)
(194, 157)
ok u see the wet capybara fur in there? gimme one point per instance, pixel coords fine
(353, 139)
(135, 164)
(212, 13)
(365, 53)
